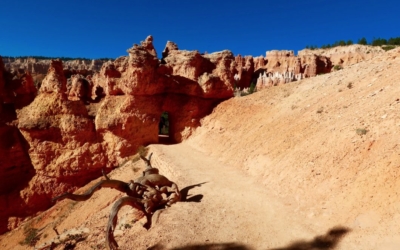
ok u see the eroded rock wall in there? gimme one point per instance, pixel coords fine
(279, 67)
(15, 166)
(40, 66)
(346, 55)
(73, 128)
(245, 67)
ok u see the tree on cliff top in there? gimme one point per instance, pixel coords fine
(362, 41)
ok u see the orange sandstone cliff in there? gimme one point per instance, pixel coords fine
(60, 137)
(280, 67)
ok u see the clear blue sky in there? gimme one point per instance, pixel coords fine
(99, 28)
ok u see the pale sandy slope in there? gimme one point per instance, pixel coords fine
(281, 166)
(300, 141)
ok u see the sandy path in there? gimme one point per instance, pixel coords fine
(234, 210)
(224, 208)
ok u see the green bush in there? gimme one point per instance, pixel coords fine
(361, 131)
(378, 42)
(31, 237)
(362, 41)
(350, 85)
(337, 67)
(388, 47)
(252, 88)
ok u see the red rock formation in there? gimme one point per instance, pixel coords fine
(207, 76)
(280, 61)
(285, 61)
(308, 63)
(139, 88)
(54, 149)
(282, 67)
(80, 89)
(279, 66)
(245, 67)
(259, 62)
(41, 66)
(57, 129)
(169, 47)
(20, 89)
(16, 87)
(65, 136)
(218, 83)
(55, 81)
(15, 166)
(134, 75)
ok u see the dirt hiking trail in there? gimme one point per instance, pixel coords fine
(234, 209)
(221, 209)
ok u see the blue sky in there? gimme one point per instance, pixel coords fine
(99, 28)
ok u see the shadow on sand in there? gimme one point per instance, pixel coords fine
(185, 194)
(220, 246)
(328, 241)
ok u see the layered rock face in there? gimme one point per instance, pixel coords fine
(185, 84)
(16, 90)
(72, 128)
(39, 66)
(17, 87)
(63, 146)
(345, 55)
(279, 67)
(245, 67)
